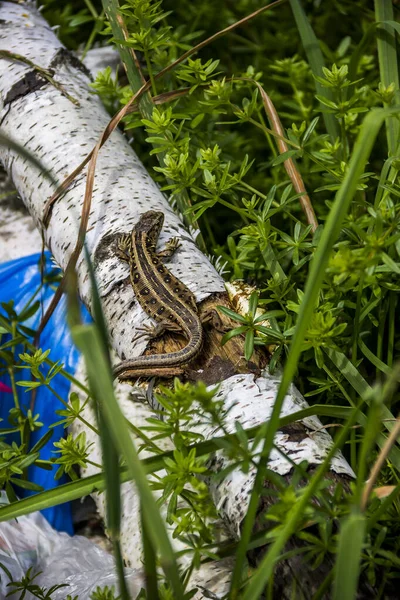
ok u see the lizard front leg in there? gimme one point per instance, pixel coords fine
(170, 248)
(124, 247)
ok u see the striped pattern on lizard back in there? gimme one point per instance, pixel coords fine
(163, 297)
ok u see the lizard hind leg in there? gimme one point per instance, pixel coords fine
(153, 331)
(211, 317)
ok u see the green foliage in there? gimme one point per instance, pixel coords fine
(104, 594)
(73, 452)
(252, 327)
(77, 22)
(27, 585)
(179, 407)
(327, 302)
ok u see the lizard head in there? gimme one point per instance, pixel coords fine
(151, 223)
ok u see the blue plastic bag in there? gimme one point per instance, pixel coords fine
(19, 280)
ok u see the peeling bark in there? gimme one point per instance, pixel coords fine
(250, 400)
(60, 134)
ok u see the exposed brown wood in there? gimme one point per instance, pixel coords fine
(215, 363)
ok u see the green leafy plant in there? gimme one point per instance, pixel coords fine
(326, 305)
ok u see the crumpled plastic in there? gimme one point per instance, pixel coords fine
(30, 542)
(19, 280)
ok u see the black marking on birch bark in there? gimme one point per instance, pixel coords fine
(208, 593)
(215, 371)
(296, 432)
(12, 200)
(105, 249)
(7, 108)
(65, 57)
(31, 82)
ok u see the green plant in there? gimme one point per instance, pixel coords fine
(328, 294)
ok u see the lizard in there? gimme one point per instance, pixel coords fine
(162, 296)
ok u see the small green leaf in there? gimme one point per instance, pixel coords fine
(232, 314)
(253, 302)
(43, 441)
(309, 130)
(29, 384)
(80, 20)
(197, 120)
(29, 312)
(234, 332)
(249, 344)
(284, 156)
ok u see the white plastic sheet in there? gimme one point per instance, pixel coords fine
(30, 541)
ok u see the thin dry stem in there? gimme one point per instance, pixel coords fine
(391, 440)
(289, 164)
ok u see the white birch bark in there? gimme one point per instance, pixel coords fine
(61, 134)
(18, 235)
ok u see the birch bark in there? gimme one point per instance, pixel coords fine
(60, 134)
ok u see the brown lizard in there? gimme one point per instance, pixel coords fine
(162, 296)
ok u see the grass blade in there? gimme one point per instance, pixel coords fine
(109, 450)
(316, 61)
(88, 341)
(348, 561)
(373, 359)
(136, 80)
(388, 66)
(349, 371)
(149, 562)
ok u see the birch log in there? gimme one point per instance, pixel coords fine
(60, 134)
